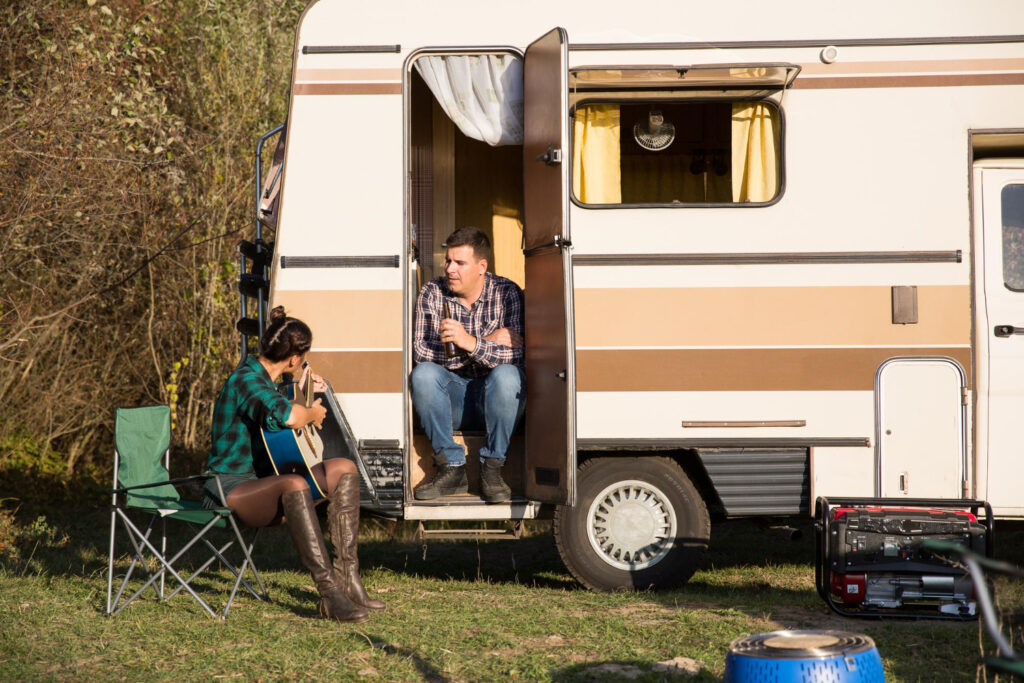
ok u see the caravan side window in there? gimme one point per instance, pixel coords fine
(676, 153)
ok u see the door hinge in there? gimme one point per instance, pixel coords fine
(560, 375)
(963, 396)
(552, 157)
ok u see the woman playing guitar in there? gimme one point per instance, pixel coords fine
(249, 401)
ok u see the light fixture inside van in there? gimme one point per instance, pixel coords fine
(655, 133)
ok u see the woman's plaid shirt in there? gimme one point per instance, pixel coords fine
(248, 401)
(500, 305)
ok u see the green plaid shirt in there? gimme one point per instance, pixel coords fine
(248, 401)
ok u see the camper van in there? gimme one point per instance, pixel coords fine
(769, 253)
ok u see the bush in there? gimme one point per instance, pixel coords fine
(125, 181)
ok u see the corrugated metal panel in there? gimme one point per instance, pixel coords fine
(763, 481)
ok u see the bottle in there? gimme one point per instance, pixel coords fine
(449, 347)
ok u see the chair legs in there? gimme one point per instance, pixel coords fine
(143, 545)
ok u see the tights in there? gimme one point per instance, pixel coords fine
(258, 503)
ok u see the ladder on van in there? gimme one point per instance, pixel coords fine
(254, 257)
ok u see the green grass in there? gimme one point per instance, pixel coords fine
(456, 611)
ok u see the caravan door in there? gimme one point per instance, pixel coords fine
(999, 220)
(550, 347)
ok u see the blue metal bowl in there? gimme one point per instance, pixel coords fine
(804, 656)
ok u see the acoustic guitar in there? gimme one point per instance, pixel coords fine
(296, 451)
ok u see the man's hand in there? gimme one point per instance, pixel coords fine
(453, 331)
(506, 336)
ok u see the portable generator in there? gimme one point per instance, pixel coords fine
(871, 561)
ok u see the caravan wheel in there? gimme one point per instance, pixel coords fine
(638, 524)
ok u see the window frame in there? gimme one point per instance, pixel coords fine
(682, 98)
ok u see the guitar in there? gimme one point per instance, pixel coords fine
(296, 451)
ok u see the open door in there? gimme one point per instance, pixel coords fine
(999, 185)
(550, 347)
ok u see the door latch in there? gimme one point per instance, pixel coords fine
(552, 157)
(1007, 330)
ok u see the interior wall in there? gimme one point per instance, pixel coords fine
(489, 196)
(458, 181)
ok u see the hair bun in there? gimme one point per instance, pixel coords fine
(276, 315)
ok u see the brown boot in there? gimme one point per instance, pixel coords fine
(305, 529)
(343, 523)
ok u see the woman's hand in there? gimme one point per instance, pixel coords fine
(300, 415)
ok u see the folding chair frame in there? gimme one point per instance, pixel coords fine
(141, 542)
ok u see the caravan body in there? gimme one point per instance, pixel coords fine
(794, 298)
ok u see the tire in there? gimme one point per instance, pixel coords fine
(638, 524)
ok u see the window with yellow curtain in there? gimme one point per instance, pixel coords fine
(676, 152)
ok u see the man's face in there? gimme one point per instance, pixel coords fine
(463, 270)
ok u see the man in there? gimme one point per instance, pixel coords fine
(481, 384)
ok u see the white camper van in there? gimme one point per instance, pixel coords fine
(769, 253)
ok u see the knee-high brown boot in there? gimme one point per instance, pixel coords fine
(300, 516)
(343, 522)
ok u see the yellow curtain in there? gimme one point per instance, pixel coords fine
(596, 172)
(754, 153)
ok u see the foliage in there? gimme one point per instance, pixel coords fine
(125, 181)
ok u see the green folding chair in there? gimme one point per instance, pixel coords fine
(142, 485)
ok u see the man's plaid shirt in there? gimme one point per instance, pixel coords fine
(248, 401)
(500, 305)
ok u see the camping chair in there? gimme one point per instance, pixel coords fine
(1006, 660)
(142, 484)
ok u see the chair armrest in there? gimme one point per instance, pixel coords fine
(172, 482)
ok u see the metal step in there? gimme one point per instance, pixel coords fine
(515, 531)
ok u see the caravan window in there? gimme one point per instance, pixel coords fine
(1012, 200)
(676, 152)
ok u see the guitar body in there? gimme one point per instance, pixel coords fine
(296, 451)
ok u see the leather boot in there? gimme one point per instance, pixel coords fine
(493, 488)
(305, 529)
(343, 523)
(448, 480)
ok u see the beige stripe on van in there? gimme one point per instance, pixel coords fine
(346, 75)
(355, 319)
(742, 369)
(768, 316)
(359, 372)
(915, 81)
(911, 67)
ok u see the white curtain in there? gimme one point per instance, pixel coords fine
(482, 94)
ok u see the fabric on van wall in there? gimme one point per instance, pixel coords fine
(596, 163)
(482, 94)
(754, 152)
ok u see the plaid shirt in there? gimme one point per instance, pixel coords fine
(248, 401)
(500, 305)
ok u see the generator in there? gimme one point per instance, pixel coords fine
(871, 560)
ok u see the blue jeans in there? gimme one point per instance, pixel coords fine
(446, 402)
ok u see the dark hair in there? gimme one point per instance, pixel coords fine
(474, 238)
(284, 337)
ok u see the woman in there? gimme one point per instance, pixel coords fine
(250, 400)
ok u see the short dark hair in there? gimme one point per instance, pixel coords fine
(473, 237)
(284, 337)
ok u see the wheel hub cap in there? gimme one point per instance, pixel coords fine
(631, 525)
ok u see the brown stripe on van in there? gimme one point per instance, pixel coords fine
(359, 372)
(743, 369)
(348, 89)
(769, 316)
(918, 81)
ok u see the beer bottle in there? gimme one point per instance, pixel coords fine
(449, 347)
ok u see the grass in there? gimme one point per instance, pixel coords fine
(456, 611)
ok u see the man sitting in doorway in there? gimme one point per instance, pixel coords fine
(480, 381)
